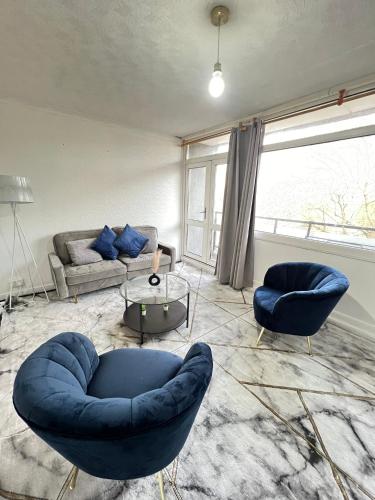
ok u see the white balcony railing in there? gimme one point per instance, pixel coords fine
(345, 234)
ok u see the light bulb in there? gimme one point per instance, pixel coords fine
(216, 85)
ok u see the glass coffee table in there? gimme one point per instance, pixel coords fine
(156, 309)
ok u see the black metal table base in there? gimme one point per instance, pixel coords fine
(156, 320)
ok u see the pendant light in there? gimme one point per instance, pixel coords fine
(219, 16)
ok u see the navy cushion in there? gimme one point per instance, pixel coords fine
(104, 244)
(297, 297)
(130, 242)
(112, 437)
(126, 373)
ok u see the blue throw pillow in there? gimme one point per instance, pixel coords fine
(104, 244)
(130, 242)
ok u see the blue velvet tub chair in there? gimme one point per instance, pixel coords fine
(297, 297)
(122, 415)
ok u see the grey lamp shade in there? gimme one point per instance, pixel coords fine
(15, 189)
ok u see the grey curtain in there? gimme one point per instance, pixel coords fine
(235, 262)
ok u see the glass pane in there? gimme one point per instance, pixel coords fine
(196, 193)
(351, 115)
(214, 244)
(220, 173)
(322, 192)
(209, 147)
(195, 240)
(170, 289)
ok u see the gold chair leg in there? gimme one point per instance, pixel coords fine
(309, 345)
(259, 337)
(161, 484)
(174, 471)
(73, 480)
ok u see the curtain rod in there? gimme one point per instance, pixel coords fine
(341, 99)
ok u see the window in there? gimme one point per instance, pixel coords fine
(206, 164)
(205, 183)
(317, 176)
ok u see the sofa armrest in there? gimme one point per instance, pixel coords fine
(171, 251)
(58, 275)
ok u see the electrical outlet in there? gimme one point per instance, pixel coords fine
(18, 283)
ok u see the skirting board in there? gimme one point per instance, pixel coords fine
(29, 291)
(352, 324)
(197, 264)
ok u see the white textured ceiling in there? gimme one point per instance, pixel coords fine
(147, 63)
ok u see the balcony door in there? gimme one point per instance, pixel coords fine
(205, 183)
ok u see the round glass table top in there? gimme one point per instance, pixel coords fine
(170, 289)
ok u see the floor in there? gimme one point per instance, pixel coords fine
(275, 422)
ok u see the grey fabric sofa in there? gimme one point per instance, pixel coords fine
(71, 280)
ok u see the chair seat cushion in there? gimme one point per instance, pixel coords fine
(76, 275)
(143, 261)
(264, 302)
(126, 373)
(266, 297)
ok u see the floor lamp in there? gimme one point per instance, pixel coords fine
(15, 190)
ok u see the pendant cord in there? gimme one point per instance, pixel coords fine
(218, 41)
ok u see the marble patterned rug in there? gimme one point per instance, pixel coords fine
(275, 423)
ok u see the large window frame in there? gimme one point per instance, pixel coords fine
(326, 246)
(329, 247)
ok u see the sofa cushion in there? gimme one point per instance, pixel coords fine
(143, 261)
(126, 373)
(80, 252)
(130, 241)
(150, 232)
(60, 240)
(92, 272)
(104, 244)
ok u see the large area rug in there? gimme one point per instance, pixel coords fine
(275, 423)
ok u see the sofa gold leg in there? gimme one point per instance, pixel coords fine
(259, 337)
(161, 484)
(75, 298)
(309, 345)
(73, 480)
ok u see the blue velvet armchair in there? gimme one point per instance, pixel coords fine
(122, 415)
(297, 297)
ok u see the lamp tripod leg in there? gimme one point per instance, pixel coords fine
(25, 260)
(73, 479)
(13, 255)
(18, 222)
(259, 337)
(161, 484)
(309, 345)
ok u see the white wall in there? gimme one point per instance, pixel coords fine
(356, 309)
(85, 174)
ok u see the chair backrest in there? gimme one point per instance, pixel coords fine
(305, 276)
(133, 437)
